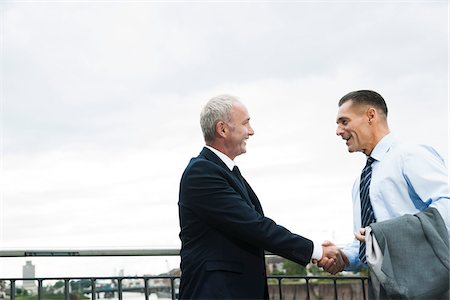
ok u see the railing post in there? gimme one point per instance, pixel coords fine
(119, 288)
(280, 290)
(12, 290)
(66, 289)
(335, 289)
(146, 287)
(308, 296)
(363, 288)
(40, 289)
(172, 288)
(93, 288)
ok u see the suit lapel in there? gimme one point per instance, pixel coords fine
(253, 198)
(211, 156)
(243, 187)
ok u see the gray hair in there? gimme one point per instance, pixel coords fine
(217, 109)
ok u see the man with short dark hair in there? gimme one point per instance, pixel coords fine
(397, 179)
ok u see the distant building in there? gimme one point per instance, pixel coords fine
(2, 289)
(274, 264)
(28, 271)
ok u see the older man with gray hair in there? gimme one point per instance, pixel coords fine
(223, 228)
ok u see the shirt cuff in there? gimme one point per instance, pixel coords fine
(318, 251)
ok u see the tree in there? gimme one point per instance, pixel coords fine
(58, 284)
(293, 268)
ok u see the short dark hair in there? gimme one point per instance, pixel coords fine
(366, 97)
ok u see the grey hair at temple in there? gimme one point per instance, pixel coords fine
(217, 109)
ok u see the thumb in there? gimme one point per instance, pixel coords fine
(359, 237)
(327, 243)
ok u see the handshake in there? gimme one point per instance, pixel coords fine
(333, 259)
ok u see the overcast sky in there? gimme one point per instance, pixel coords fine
(100, 105)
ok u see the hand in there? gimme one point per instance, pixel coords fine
(333, 259)
(361, 236)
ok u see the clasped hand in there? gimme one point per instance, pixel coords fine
(333, 259)
(361, 235)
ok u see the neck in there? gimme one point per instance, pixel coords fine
(378, 135)
(222, 148)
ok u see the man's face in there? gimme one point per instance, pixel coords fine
(240, 129)
(353, 126)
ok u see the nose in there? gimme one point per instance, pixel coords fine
(339, 130)
(250, 130)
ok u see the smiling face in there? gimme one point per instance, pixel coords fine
(239, 130)
(354, 125)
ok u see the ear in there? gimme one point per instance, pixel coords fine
(221, 129)
(371, 114)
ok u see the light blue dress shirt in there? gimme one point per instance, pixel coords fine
(405, 180)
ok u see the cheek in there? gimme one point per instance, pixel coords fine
(353, 132)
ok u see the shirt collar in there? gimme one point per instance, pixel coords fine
(228, 161)
(382, 147)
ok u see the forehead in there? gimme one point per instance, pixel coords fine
(349, 110)
(239, 110)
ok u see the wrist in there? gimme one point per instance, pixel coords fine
(317, 250)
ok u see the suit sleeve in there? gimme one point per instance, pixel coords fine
(207, 192)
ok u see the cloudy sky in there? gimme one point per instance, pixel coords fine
(100, 106)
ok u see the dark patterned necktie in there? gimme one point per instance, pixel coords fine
(367, 215)
(239, 176)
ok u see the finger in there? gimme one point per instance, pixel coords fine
(360, 237)
(330, 251)
(322, 262)
(340, 265)
(333, 270)
(329, 264)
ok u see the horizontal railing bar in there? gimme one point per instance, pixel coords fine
(90, 252)
(91, 277)
(177, 276)
(317, 277)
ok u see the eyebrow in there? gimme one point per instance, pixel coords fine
(339, 120)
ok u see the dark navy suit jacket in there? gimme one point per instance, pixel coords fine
(224, 234)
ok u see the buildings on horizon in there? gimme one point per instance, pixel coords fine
(29, 271)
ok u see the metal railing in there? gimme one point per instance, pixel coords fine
(94, 290)
(280, 286)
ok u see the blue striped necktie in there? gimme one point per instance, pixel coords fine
(367, 215)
